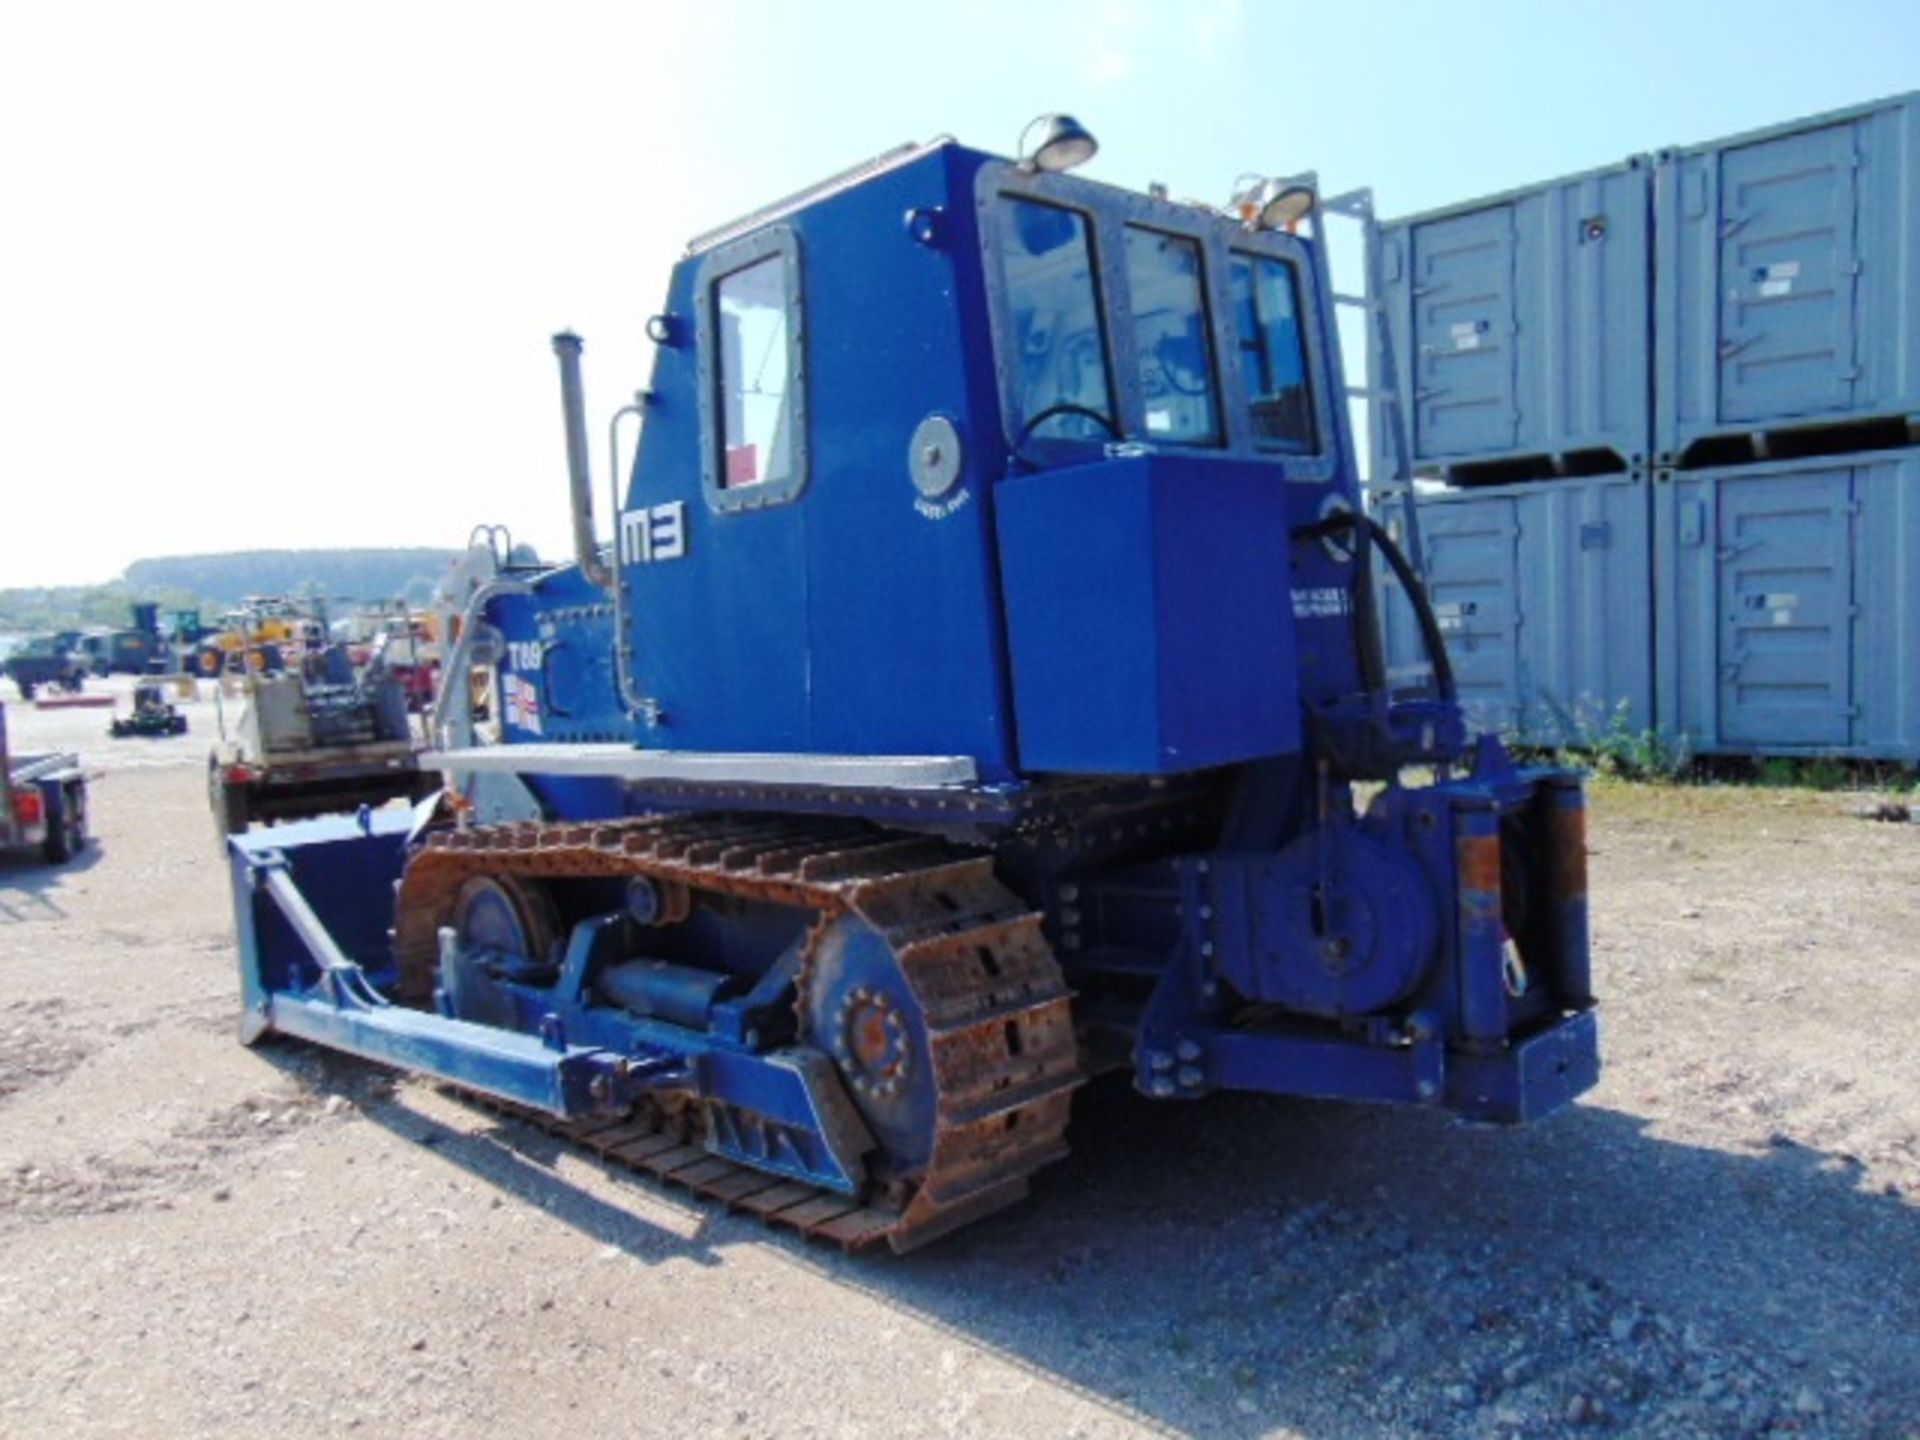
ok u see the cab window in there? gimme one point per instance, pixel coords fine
(1266, 304)
(1053, 306)
(1170, 337)
(756, 413)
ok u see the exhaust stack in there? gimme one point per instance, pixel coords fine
(586, 548)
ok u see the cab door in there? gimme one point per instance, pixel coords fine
(713, 545)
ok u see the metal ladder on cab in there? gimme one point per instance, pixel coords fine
(1387, 424)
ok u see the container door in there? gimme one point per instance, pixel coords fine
(1787, 263)
(1786, 599)
(1463, 335)
(1472, 562)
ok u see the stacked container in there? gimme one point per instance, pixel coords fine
(1774, 588)
(1787, 513)
(1789, 606)
(1788, 289)
(1520, 322)
(1540, 590)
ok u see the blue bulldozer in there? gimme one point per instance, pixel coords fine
(982, 691)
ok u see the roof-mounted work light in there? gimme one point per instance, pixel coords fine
(1064, 143)
(1273, 204)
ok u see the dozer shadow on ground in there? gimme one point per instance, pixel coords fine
(1335, 1269)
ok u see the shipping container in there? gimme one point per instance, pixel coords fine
(1787, 306)
(1543, 593)
(1520, 325)
(1788, 604)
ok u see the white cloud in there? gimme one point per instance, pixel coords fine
(1214, 23)
(1121, 36)
(1110, 65)
(1115, 33)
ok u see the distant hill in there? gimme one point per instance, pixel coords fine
(339, 574)
(213, 583)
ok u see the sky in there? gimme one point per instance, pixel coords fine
(278, 275)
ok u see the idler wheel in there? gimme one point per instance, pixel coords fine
(510, 916)
(858, 1007)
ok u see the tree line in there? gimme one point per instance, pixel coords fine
(214, 583)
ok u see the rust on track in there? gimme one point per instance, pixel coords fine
(998, 1024)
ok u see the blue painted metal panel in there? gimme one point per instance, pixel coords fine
(557, 682)
(1789, 607)
(1532, 1078)
(1519, 324)
(1788, 262)
(857, 617)
(743, 687)
(512, 1066)
(346, 871)
(907, 655)
(1545, 594)
(1150, 615)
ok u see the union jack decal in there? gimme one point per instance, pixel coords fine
(523, 703)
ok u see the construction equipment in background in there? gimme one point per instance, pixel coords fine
(179, 633)
(316, 741)
(47, 662)
(153, 715)
(43, 801)
(405, 640)
(122, 652)
(983, 692)
(409, 647)
(265, 635)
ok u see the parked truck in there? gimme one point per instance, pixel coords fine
(43, 801)
(45, 662)
(300, 744)
(122, 652)
(982, 692)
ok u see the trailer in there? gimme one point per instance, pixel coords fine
(299, 747)
(43, 801)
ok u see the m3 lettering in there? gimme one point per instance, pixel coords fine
(654, 533)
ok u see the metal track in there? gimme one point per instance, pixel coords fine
(999, 1030)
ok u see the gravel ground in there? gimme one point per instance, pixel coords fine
(1723, 1239)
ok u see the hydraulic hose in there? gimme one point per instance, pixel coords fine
(1375, 534)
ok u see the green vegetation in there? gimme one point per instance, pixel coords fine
(1823, 772)
(341, 574)
(34, 610)
(1611, 745)
(214, 583)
